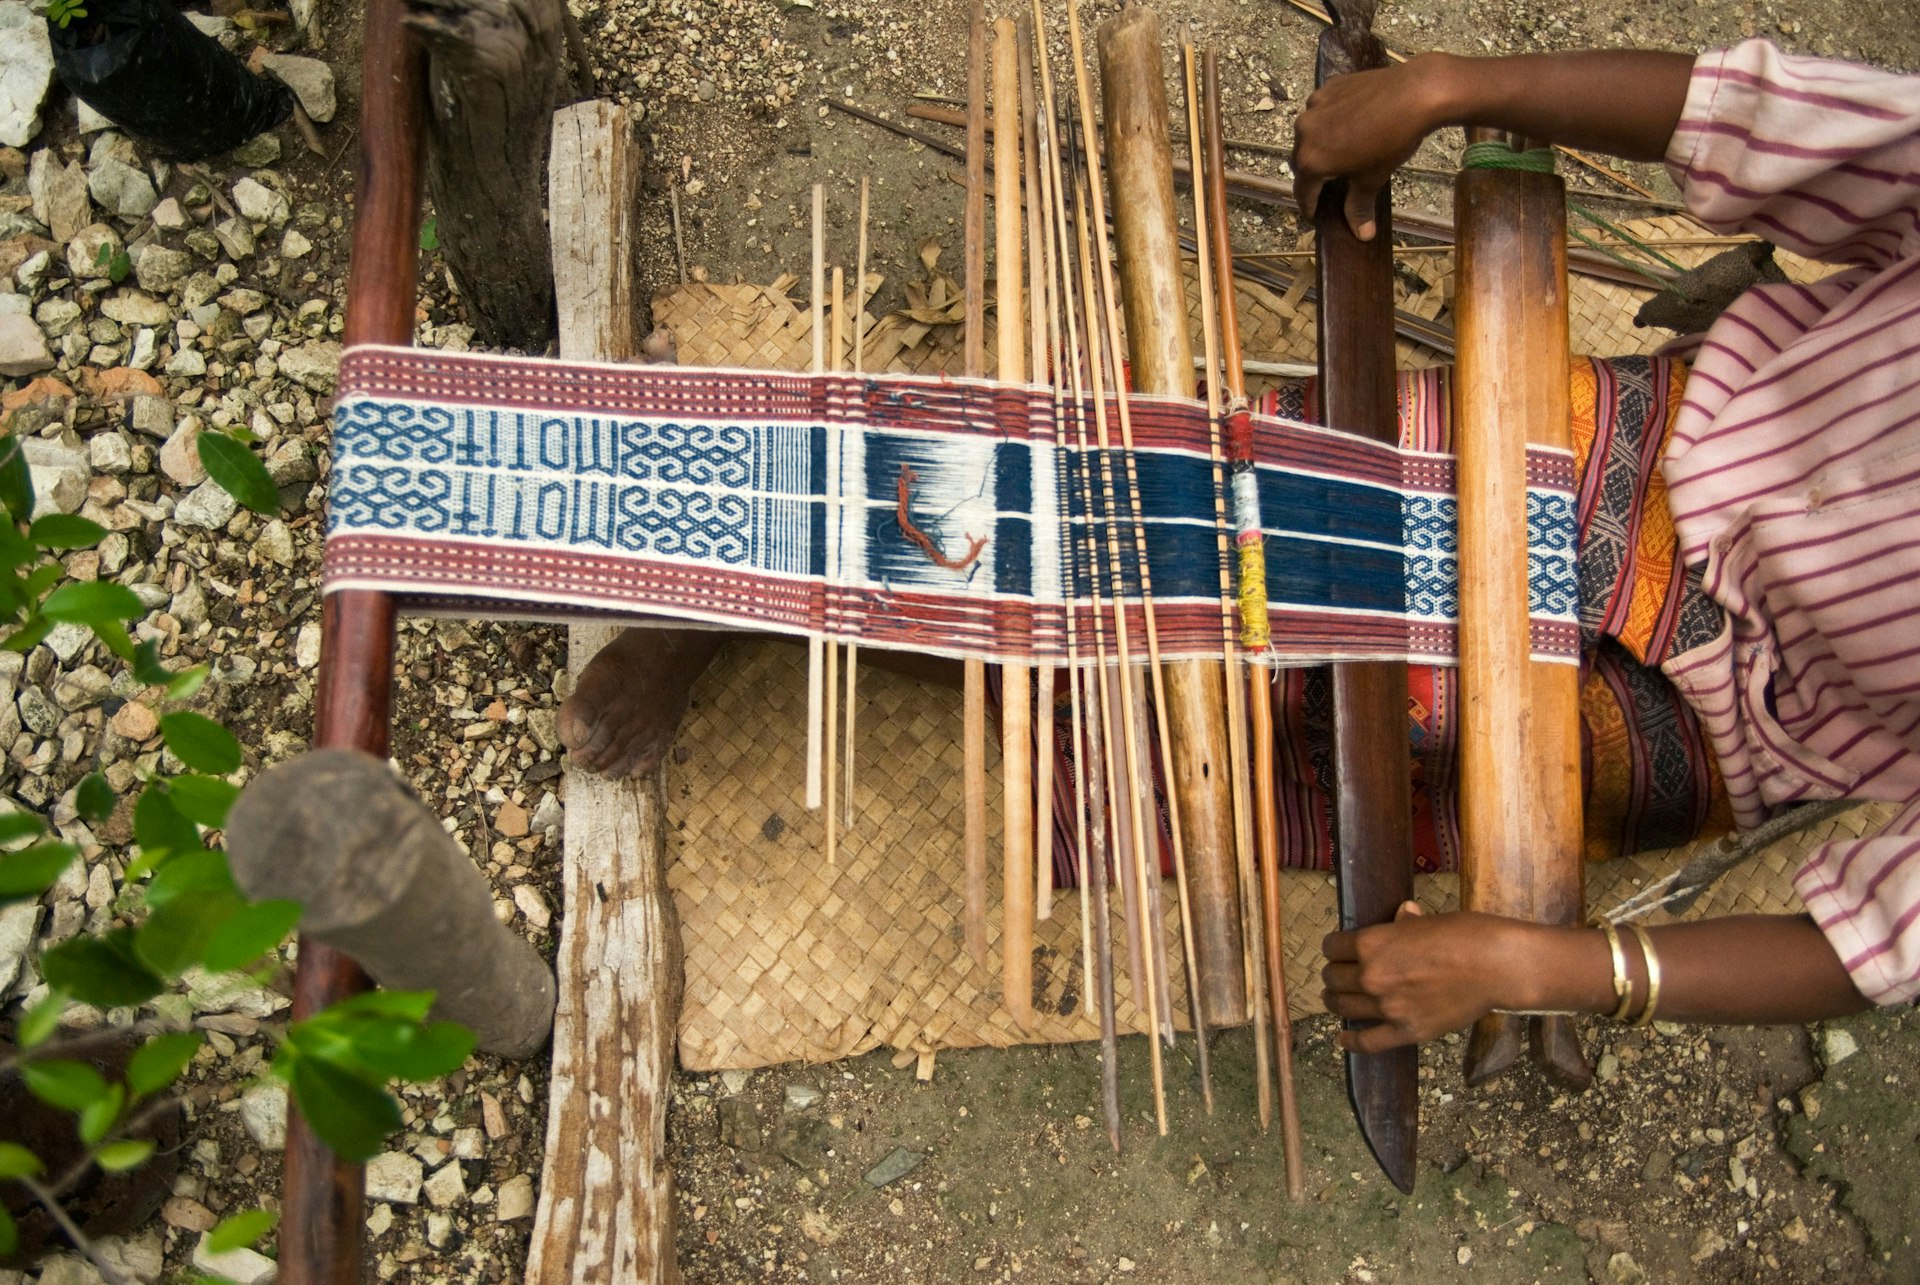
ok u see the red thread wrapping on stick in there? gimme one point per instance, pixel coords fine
(974, 543)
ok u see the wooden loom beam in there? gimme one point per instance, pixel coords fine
(323, 1196)
(1373, 810)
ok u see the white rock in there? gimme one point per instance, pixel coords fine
(180, 457)
(85, 257)
(275, 543)
(532, 905)
(447, 1186)
(15, 305)
(26, 71)
(241, 1266)
(306, 645)
(69, 1269)
(169, 216)
(160, 270)
(189, 606)
(549, 815)
(207, 505)
(295, 246)
(67, 641)
(187, 363)
(135, 1257)
(229, 992)
(1836, 1045)
(69, 205)
(310, 80)
(314, 365)
(259, 203)
(60, 476)
(18, 923)
(263, 1109)
(143, 354)
(23, 346)
(515, 1199)
(121, 189)
(31, 273)
(235, 236)
(136, 308)
(221, 29)
(395, 1178)
(87, 120)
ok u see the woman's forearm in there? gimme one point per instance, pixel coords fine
(1746, 969)
(1625, 103)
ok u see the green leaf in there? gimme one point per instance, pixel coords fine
(43, 578)
(350, 1114)
(90, 602)
(16, 480)
(240, 1229)
(147, 669)
(15, 826)
(158, 826)
(185, 683)
(175, 936)
(43, 1019)
(71, 1086)
(206, 799)
(114, 638)
(94, 800)
(251, 932)
(65, 531)
(103, 971)
(430, 235)
(100, 1115)
(198, 870)
(117, 1157)
(410, 1006)
(200, 743)
(30, 873)
(238, 472)
(29, 635)
(407, 1051)
(9, 1234)
(17, 1162)
(159, 1061)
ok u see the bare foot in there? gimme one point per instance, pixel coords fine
(631, 697)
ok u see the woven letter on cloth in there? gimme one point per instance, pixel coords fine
(938, 515)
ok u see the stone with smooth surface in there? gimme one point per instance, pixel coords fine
(26, 72)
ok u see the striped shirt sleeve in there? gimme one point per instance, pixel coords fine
(1865, 895)
(1821, 157)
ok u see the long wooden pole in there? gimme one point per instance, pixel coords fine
(1239, 765)
(1520, 798)
(973, 730)
(816, 645)
(323, 1196)
(830, 706)
(1016, 680)
(1373, 810)
(1260, 702)
(859, 367)
(1153, 288)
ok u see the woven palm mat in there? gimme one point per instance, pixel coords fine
(789, 959)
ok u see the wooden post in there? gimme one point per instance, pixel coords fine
(606, 1194)
(378, 879)
(1520, 801)
(1160, 348)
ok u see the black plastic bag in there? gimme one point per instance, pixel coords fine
(152, 73)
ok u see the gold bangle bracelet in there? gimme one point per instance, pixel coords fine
(1653, 976)
(1622, 982)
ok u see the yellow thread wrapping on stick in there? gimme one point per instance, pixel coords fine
(1255, 632)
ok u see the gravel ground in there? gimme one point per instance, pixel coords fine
(1716, 1155)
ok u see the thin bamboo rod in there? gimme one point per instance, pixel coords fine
(859, 367)
(816, 646)
(974, 684)
(1043, 704)
(1261, 700)
(1253, 930)
(1095, 214)
(831, 704)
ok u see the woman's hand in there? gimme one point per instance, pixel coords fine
(1362, 127)
(1424, 975)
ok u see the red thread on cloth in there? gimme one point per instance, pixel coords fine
(975, 543)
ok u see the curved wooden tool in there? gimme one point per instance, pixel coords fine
(1373, 814)
(1520, 814)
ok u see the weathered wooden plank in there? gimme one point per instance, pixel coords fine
(606, 1194)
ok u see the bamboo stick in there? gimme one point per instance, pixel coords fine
(974, 684)
(1036, 372)
(1094, 214)
(1253, 929)
(859, 367)
(816, 646)
(830, 705)
(1016, 690)
(1260, 703)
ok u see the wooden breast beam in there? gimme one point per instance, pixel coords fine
(1520, 802)
(1160, 348)
(1373, 810)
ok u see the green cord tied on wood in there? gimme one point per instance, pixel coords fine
(1688, 302)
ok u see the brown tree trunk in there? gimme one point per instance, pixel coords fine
(493, 75)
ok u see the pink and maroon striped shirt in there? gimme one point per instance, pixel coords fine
(1794, 475)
